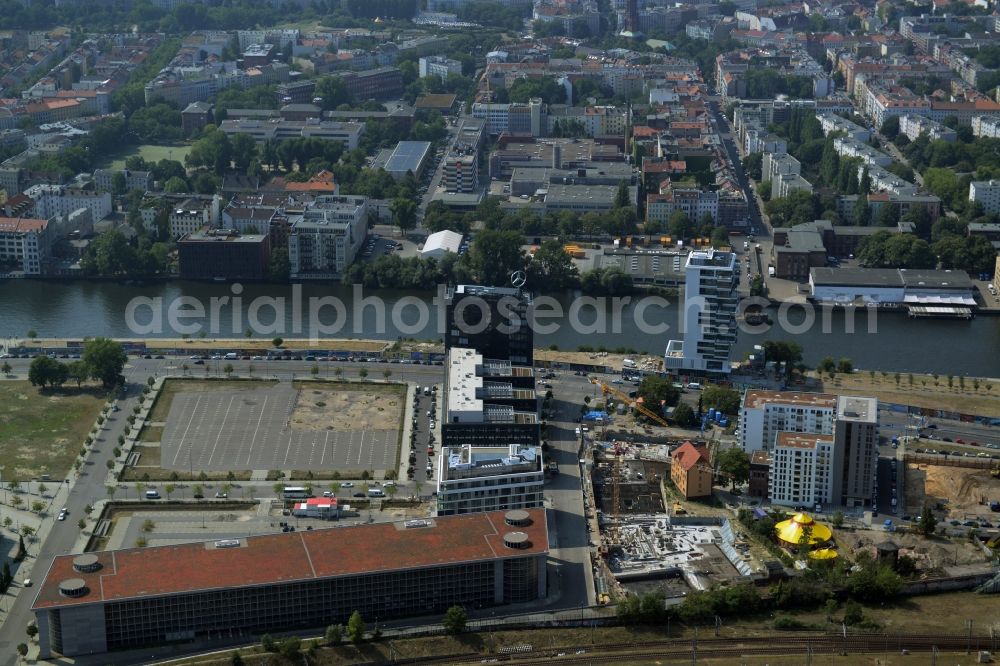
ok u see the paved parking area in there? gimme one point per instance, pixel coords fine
(221, 431)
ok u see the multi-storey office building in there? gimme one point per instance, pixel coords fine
(348, 133)
(823, 448)
(492, 320)
(802, 469)
(325, 238)
(134, 180)
(52, 200)
(213, 254)
(986, 193)
(488, 402)
(489, 478)
(766, 413)
(114, 600)
(24, 244)
(855, 434)
(461, 163)
(711, 279)
(439, 66)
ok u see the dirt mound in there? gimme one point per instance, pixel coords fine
(961, 490)
(343, 410)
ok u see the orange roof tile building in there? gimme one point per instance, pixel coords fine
(113, 600)
(691, 471)
(321, 183)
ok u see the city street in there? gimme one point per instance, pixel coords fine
(570, 549)
(725, 132)
(895, 424)
(58, 537)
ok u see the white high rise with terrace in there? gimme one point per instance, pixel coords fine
(709, 315)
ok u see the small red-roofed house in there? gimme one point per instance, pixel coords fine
(690, 470)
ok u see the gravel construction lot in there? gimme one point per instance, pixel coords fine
(960, 489)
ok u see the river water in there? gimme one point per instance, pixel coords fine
(76, 309)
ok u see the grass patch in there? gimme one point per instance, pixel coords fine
(261, 345)
(149, 456)
(151, 434)
(143, 473)
(921, 393)
(41, 432)
(322, 474)
(942, 613)
(351, 385)
(150, 153)
(171, 387)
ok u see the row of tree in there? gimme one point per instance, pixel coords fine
(492, 257)
(103, 360)
(952, 251)
(868, 581)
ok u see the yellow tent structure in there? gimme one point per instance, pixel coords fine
(790, 531)
(823, 554)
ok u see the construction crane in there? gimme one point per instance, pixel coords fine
(614, 533)
(606, 390)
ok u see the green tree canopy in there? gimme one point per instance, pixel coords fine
(105, 359)
(783, 351)
(404, 213)
(494, 255)
(735, 462)
(454, 620)
(356, 628)
(656, 391)
(722, 398)
(684, 416)
(213, 150)
(45, 371)
(552, 267)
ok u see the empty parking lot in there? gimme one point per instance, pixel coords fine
(232, 430)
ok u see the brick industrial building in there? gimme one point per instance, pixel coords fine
(115, 600)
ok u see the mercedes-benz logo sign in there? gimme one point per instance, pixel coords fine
(518, 278)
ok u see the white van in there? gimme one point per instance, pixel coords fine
(694, 386)
(628, 363)
(376, 492)
(152, 494)
(231, 356)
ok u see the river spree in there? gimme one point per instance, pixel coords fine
(76, 309)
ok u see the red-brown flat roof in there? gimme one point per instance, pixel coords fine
(21, 225)
(280, 558)
(758, 398)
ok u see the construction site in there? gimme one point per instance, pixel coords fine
(958, 489)
(651, 537)
(651, 541)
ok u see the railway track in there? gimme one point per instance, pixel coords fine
(788, 644)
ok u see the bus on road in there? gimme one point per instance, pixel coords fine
(294, 492)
